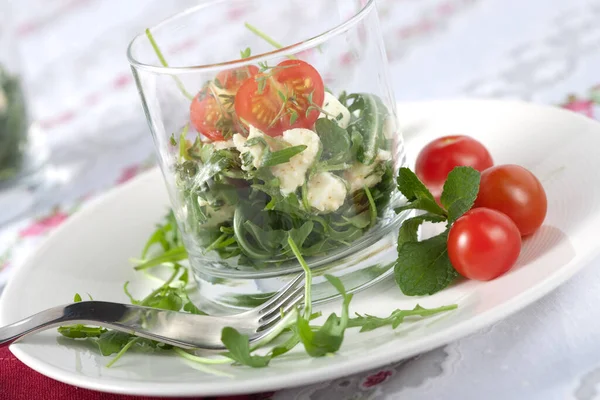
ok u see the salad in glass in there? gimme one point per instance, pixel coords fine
(278, 154)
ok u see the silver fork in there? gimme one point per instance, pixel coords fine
(179, 329)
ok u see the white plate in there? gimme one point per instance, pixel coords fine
(89, 254)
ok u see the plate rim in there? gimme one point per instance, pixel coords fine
(305, 376)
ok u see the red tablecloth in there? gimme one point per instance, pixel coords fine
(19, 382)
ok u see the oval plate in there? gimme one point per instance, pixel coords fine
(89, 254)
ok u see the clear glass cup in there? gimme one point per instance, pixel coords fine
(275, 121)
(22, 152)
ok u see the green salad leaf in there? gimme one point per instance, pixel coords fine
(239, 349)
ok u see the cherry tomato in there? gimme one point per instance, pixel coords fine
(279, 99)
(516, 192)
(232, 79)
(483, 244)
(209, 118)
(438, 158)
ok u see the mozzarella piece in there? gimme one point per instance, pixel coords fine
(326, 192)
(292, 174)
(360, 175)
(219, 215)
(333, 106)
(255, 151)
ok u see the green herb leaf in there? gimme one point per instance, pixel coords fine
(239, 349)
(328, 338)
(335, 141)
(460, 191)
(423, 268)
(80, 331)
(369, 322)
(369, 124)
(111, 342)
(409, 229)
(418, 196)
(272, 158)
(245, 53)
(77, 298)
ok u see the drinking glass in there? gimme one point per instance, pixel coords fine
(276, 132)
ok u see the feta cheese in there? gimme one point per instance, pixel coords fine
(361, 175)
(326, 192)
(255, 151)
(3, 101)
(223, 144)
(219, 215)
(292, 174)
(333, 106)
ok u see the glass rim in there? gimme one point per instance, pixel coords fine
(241, 62)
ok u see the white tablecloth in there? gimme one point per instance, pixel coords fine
(544, 51)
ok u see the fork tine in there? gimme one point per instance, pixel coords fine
(283, 293)
(273, 318)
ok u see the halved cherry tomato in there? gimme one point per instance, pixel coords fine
(209, 118)
(483, 244)
(279, 99)
(439, 157)
(516, 192)
(232, 79)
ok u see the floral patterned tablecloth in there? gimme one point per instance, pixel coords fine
(545, 51)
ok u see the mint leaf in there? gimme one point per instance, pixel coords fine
(418, 196)
(272, 158)
(239, 349)
(423, 268)
(328, 338)
(369, 322)
(409, 229)
(460, 191)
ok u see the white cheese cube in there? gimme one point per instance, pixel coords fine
(255, 151)
(338, 112)
(292, 174)
(326, 192)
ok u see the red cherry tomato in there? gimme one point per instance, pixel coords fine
(438, 158)
(278, 99)
(210, 118)
(483, 244)
(516, 192)
(232, 79)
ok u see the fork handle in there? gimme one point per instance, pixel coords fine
(182, 330)
(87, 312)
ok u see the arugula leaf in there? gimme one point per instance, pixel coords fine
(271, 158)
(419, 197)
(239, 349)
(368, 322)
(369, 124)
(172, 255)
(335, 141)
(111, 342)
(80, 331)
(328, 338)
(460, 191)
(409, 229)
(423, 268)
(170, 301)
